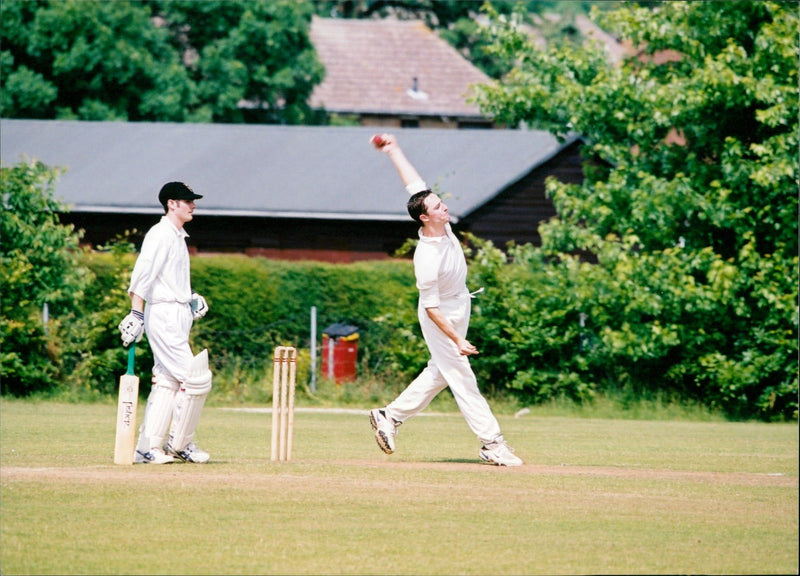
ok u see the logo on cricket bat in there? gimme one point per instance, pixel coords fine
(128, 407)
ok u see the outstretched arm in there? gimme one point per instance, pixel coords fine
(387, 143)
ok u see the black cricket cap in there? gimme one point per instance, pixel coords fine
(176, 191)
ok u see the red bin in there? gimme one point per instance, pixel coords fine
(339, 352)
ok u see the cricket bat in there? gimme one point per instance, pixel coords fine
(126, 412)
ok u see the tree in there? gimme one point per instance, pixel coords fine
(26, 93)
(691, 228)
(252, 52)
(107, 60)
(39, 265)
(158, 60)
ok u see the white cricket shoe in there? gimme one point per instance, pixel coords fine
(500, 454)
(192, 453)
(385, 429)
(153, 456)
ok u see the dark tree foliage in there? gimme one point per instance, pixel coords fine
(228, 61)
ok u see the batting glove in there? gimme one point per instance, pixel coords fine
(132, 327)
(199, 306)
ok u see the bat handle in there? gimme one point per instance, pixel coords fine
(131, 354)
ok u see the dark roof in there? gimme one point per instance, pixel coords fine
(270, 171)
(371, 65)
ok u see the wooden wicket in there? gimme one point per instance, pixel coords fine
(283, 385)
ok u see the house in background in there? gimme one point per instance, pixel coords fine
(293, 192)
(396, 73)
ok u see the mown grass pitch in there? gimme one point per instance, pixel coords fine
(594, 497)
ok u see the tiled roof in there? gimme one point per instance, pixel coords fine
(371, 66)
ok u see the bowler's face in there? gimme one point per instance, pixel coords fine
(436, 210)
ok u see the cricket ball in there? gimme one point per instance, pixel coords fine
(378, 141)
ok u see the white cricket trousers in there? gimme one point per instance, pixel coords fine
(168, 325)
(447, 367)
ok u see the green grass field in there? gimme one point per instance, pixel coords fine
(596, 496)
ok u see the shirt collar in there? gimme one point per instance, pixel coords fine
(435, 239)
(179, 232)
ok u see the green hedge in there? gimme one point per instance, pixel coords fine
(256, 304)
(546, 329)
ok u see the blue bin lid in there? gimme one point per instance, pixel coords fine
(339, 330)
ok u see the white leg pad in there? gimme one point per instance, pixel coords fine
(189, 403)
(157, 415)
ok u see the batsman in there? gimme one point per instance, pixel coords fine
(181, 381)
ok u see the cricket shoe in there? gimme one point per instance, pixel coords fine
(385, 429)
(153, 456)
(191, 454)
(499, 454)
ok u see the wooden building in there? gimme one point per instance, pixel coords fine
(293, 192)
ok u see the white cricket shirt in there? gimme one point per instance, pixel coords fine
(440, 268)
(161, 273)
